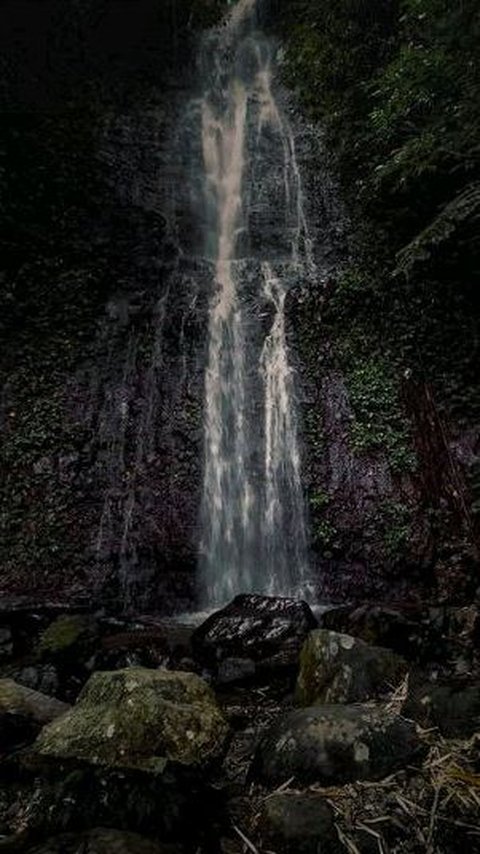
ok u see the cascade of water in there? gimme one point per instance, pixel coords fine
(284, 531)
(253, 516)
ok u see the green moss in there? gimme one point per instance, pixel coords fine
(396, 523)
(139, 718)
(380, 422)
(64, 633)
(319, 500)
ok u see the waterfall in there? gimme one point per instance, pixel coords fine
(252, 515)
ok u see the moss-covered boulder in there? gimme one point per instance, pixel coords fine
(24, 712)
(140, 719)
(337, 668)
(67, 633)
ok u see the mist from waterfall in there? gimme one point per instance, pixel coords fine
(253, 515)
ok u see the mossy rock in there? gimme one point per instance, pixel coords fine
(67, 633)
(338, 668)
(140, 719)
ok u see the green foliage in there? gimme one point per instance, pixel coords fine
(379, 420)
(319, 500)
(323, 534)
(396, 521)
(62, 634)
(397, 88)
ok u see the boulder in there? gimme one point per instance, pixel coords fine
(266, 630)
(103, 841)
(412, 632)
(67, 635)
(337, 668)
(139, 718)
(24, 712)
(335, 744)
(452, 707)
(298, 824)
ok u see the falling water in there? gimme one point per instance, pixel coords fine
(253, 517)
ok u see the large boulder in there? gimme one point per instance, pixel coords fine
(337, 668)
(265, 630)
(139, 718)
(298, 823)
(334, 744)
(24, 712)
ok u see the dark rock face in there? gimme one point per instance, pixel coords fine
(299, 824)
(335, 744)
(103, 423)
(266, 630)
(337, 668)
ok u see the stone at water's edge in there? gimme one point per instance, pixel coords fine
(337, 668)
(267, 630)
(139, 719)
(335, 744)
(24, 712)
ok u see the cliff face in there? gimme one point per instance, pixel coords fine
(104, 297)
(390, 347)
(104, 305)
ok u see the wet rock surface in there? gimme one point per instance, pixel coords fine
(266, 630)
(335, 744)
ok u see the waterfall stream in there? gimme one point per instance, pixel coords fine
(253, 515)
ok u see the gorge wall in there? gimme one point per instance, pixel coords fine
(105, 294)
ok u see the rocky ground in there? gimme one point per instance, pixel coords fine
(265, 729)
